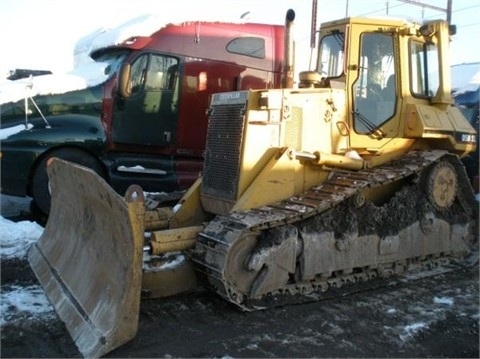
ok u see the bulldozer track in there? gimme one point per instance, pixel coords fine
(219, 239)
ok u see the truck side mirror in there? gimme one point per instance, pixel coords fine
(124, 88)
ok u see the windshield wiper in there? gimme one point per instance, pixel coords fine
(372, 129)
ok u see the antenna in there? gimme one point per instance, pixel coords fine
(28, 96)
(245, 16)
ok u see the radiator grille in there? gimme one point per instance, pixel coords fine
(224, 145)
(294, 129)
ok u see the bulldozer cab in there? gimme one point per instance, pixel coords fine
(389, 66)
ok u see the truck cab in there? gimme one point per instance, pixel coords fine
(145, 122)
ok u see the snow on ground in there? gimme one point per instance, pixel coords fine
(421, 316)
(17, 237)
(17, 302)
(20, 303)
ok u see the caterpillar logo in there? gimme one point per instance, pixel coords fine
(229, 96)
(234, 97)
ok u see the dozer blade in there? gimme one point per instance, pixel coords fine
(89, 258)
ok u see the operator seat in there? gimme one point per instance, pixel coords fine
(388, 93)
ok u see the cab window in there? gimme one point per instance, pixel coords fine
(424, 66)
(330, 61)
(248, 46)
(153, 72)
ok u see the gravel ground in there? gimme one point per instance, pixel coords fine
(435, 316)
(415, 317)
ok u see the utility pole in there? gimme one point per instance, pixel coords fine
(447, 10)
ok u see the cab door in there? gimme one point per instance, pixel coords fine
(148, 116)
(373, 88)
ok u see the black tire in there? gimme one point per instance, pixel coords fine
(39, 186)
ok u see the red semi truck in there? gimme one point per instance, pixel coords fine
(146, 122)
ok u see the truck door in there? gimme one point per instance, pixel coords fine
(149, 115)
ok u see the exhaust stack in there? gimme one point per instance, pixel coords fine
(287, 80)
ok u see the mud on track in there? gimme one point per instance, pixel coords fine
(428, 317)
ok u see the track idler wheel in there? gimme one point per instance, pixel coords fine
(442, 185)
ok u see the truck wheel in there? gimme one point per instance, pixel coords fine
(40, 186)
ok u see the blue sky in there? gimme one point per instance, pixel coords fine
(41, 34)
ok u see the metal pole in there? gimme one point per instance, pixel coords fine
(449, 12)
(313, 26)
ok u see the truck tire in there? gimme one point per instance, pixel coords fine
(39, 185)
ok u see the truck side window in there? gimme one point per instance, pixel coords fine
(374, 90)
(161, 73)
(248, 46)
(154, 80)
(424, 66)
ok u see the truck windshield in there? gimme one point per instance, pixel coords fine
(330, 59)
(113, 57)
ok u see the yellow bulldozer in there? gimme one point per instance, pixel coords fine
(350, 177)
